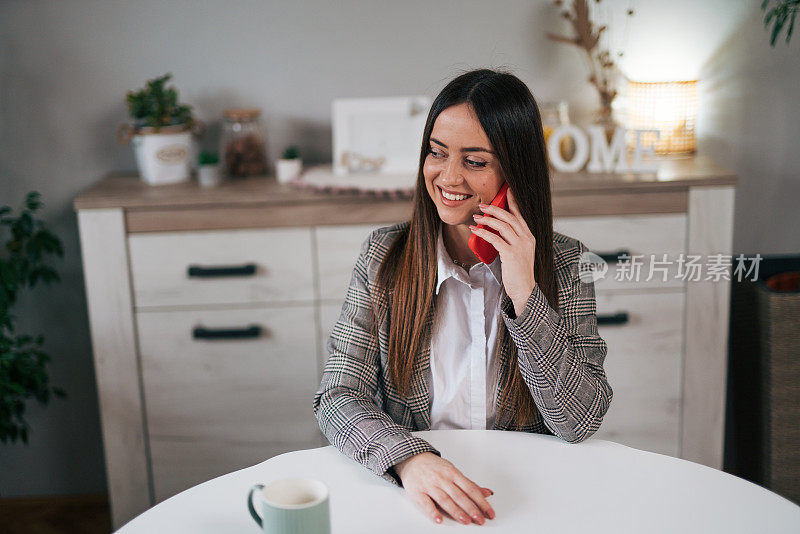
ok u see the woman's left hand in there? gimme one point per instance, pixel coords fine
(516, 247)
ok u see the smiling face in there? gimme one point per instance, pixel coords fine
(461, 169)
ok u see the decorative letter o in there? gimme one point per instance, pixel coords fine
(581, 148)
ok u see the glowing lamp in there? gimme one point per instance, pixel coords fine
(670, 108)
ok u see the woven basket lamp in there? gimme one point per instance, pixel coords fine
(670, 108)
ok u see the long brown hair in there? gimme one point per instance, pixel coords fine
(406, 279)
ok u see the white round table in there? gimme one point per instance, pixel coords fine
(541, 484)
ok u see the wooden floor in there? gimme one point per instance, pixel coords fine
(84, 514)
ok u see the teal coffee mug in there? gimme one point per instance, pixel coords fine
(291, 506)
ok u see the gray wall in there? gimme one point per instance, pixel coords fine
(65, 68)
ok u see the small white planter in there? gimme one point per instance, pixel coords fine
(288, 169)
(209, 175)
(163, 158)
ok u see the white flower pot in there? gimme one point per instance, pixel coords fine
(288, 169)
(163, 158)
(209, 175)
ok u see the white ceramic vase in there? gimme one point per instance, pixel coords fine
(209, 175)
(164, 157)
(288, 169)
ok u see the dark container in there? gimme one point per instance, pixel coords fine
(763, 408)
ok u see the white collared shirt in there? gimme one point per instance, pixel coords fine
(463, 342)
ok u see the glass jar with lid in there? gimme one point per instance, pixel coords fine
(243, 146)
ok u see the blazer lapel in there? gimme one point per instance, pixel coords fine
(503, 354)
(418, 399)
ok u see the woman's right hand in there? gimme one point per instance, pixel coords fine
(430, 480)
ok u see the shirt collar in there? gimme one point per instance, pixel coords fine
(447, 269)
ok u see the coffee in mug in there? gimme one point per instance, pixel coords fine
(291, 506)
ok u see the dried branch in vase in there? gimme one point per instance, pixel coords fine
(587, 37)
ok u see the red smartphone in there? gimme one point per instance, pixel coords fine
(482, 248)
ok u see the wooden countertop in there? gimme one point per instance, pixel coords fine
(261, 202)
(129, 192)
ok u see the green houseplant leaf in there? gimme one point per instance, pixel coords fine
(779, 14)
(23, 365)
(156, 105)
(291, 152)
(208, 158)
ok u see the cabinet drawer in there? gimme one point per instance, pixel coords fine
(644, 368)
(179, 465)
(248, 389)
(337, 250)
(221, 267)
(651, 236)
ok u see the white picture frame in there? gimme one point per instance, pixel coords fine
(381, 135)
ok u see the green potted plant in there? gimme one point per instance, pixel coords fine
(208, 174)
(23, 365)
(289, 165)
(162, 130)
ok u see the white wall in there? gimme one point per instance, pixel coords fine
(65, 67)
(750, 120)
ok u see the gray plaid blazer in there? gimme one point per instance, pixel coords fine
(560, 357)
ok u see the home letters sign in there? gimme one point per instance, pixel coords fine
(601, 155)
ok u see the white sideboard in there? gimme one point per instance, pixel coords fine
(210, 313)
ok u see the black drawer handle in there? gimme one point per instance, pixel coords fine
(203, 272)
(613, 257)
(226, 333)
(614, 318)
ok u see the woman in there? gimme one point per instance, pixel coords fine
(429, 337)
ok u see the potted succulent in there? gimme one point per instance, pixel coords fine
(208, 172)
(289, 165)
(162, 131)
(23, 364)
